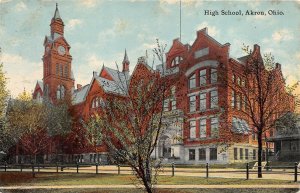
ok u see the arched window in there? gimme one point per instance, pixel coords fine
(46, 90)
(97, 102)
(60, 93)
(176, 61)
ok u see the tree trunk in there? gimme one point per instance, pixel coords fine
(259, 169)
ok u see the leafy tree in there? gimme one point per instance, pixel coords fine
(57, 122)
(25, 118)
(5, 140)
(94, 132)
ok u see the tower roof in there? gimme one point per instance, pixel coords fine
(56, 13)
(125, 60)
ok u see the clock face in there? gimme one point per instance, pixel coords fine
(61, 50)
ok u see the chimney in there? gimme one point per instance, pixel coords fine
(278, 66)
(94, 74)
(79, 86)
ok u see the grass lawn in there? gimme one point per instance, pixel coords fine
(17, 178)
(157, 191)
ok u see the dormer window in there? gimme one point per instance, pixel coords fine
(176, 61)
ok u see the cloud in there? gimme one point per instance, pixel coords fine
(20, 6)
(21, 72)
(121, 25)
(89, 3)
(282, 35)
(212, 30)
(93, 61)
(72, 23)
(4, 1)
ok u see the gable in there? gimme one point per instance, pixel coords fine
(105, 74)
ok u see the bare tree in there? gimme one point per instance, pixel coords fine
(132, 122)
(258, 90)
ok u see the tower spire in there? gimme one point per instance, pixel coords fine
(56, 13)
(125, 62)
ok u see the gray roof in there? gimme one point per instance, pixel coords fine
(52, 39)
(41, 84)
(119, 78)
(79, 94)
(56, 13)
(112, 86)
(243, 58)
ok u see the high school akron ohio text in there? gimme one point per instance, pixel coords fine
(241, 13)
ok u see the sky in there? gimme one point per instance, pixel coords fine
(99, 32)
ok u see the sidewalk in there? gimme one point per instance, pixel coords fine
(294, 186)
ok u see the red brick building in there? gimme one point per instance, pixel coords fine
(210, 125)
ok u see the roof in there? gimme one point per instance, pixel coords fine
(120, 78)
(56, 13)
(41, 84)
(53, 38)
(79, 94)
(116, 87)
(243, 58)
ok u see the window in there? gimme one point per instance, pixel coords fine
(66, 71)
(173, 104)
(213, 99)
(60, 93)
(202, 101)
(243, 83)
(202, 77)
(201, 52)
(192, 129)
(191, 154)
(214, 124)
(60, 70)
(241, 154)
(238, 102)
(46, 90)
(192, 81)
(233, 78)
(213, 76)
(173, 90)
(213, 153)
(166, 105)
(254, 154)
(176, 61)
(202, 154)
(246, 154)
(192, 103)
(235, 153)
(232, 99)
(238, 81)
(240, 125)
(57, 69)
(202, 128)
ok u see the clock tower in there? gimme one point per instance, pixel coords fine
(57, 62)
